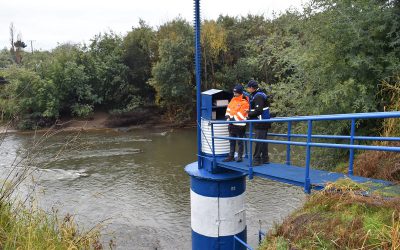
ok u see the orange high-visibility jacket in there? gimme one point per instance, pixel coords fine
(237, 109)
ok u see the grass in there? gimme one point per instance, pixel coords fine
(22, 228)
(340, 217)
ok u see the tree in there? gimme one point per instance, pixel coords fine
(20, 46)
(28, 97)
(173, 74)
(139, 54)
(12, 35)
(213, 41)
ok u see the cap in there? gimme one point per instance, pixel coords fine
(252, 84)
(238, 89)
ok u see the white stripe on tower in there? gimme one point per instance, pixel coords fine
(205, 212)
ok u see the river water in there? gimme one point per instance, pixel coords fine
(135, 185)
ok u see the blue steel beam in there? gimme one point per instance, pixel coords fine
(344, 137)
(372, 115)
(197, 24)
(352, 132)
(241, 242)
(307, 182)
(314, 144)
(288, 146)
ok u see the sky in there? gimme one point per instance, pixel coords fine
(49, 22)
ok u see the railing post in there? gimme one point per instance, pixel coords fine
(307, 184)
(213, 145)
(251, 151)
(288, 146)
(246, 150)
(352, 132)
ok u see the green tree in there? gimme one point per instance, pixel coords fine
(173, 74)
(213, 41)
(108, 74)
(139, 54)
(28, 96)
(74, 90)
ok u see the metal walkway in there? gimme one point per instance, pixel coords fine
(294, 175)
(305, 176)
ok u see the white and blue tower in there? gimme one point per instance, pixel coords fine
(217, 195)
(217, 208)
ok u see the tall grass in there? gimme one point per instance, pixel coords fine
(340, 217)
(379, 164)
(391, 127)
(32, 228)
(25, 226)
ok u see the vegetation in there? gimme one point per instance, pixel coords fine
(341, 217)
(334, 56)
(23, 228)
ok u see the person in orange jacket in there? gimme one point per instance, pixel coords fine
(237, 111)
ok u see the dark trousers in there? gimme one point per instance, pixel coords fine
(261, 150)
(236, 131)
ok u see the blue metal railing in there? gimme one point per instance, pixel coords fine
(260, 236)
(309, 143)
(240, 242)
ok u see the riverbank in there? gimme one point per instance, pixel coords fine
(348, 215)
(342, 217)
(145, 119)
(31, 228)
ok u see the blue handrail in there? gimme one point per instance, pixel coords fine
(371, 115)
(339, 137)
(309, 143)
(241, 242)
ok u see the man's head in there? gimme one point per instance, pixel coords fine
(238, 90)
(252, 86)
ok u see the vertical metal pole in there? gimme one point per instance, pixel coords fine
(198, 76)
(213, 145)
(251, 152)
(289, 132)
(307, 184)
(351, 160)
(246, 151)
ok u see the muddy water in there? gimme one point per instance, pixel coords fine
(135, 185)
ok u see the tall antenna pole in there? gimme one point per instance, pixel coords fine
(197, 23)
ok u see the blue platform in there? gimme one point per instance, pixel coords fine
(294, 175)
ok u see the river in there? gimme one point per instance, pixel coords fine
(134, 184)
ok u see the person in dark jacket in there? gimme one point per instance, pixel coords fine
(259, 110)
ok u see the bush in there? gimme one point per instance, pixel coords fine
(82, 110)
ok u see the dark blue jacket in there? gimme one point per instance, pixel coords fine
(259, 108)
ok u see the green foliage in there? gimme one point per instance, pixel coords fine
(27, 93)
(81, 110)
(23, 228)
(5, 58)
(329, 58)
(173, 77)
(139, 53)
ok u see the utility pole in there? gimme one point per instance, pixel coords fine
(32, 45)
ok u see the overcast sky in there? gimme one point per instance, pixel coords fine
(49, 22)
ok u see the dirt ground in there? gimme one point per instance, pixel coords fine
(100, 120)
